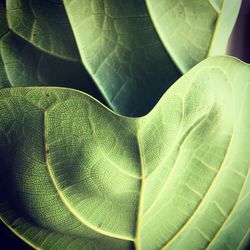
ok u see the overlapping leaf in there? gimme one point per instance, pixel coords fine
(38, 48)
(3, 29)
(43, 24)
(118, 44)
(86, 178)
(121, 49)
(191, 30)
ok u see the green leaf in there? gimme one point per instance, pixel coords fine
(192, 30)
(23, 64)
(9, 241)
(45, 25)
(86, 178)
(122, 52)
(118, 43)
(4, 82)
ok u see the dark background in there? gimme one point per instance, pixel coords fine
(239, 45)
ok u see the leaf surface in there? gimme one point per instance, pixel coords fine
(24, 63)
(3, 30)
(45, 25)
(121, 50)
(86, 178)
(118, 44)
(192, 30)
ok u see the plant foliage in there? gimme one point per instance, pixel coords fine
(75, 175)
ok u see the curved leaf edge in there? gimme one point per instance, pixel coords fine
(35, 45)
(118, 115)
(232, 58)
(12, 230)
(210, 51)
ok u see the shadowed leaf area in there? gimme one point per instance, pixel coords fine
(120, 52)
(85, 177)
(38, 49)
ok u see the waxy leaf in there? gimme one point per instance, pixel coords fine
(122, 51)
(25, 63)
(118, 44)
(45, 25)
(3, 30)
(86, 178)
(192, 30)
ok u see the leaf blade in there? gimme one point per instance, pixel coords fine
(194, 161)
(122, 52)
(195, 29)
(42, 24)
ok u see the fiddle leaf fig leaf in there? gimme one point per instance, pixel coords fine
(192, 30)
(23, 64)
(133, 50)
(122, 51)
(4, 82)
(87, 178)
(45, 25)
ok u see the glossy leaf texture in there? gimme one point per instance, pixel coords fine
(86, 178)
(192, 30)
(122, 51)
(37, 47)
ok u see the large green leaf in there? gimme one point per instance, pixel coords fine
(118, 45)
(44, 24)
(25, 63)
(191, 30)
(75, 175)
(4, 82)
(122, 51)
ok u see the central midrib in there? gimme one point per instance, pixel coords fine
(137, 241)
(214, 35)
(60, 193)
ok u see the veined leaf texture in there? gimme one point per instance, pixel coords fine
(133, 50)
(85, 177)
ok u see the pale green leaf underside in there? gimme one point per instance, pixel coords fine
(23, 64)
(87, 178)
(118, 44)
(191, 30)
(45, 25)
(121, 50)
